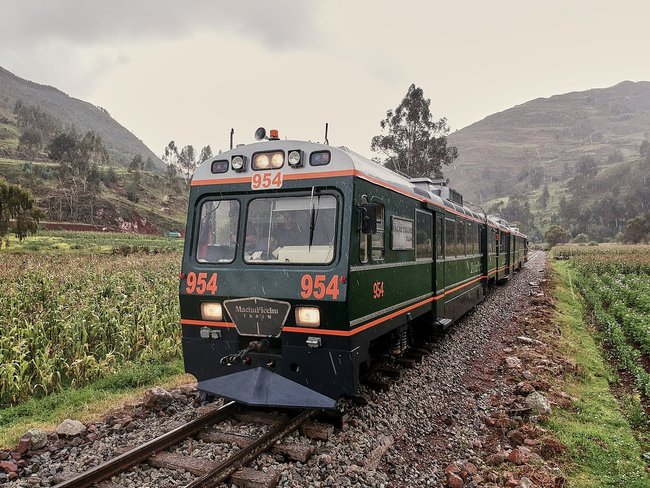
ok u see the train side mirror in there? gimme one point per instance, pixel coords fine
(368, 218)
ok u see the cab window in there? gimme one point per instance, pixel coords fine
(218, 224)
(291, 230)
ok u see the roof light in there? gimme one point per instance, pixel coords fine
(237, 163)
(319, 158)
(268, 160)
(273, 135)
(220, 166)
(295, 159)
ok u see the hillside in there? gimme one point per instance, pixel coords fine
(159, 204)
(122, 145)
(547, 137)
(583, 147)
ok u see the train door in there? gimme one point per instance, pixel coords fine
(440, 255)
(497, 246)
(507, 254)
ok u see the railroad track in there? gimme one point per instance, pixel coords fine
(211, 473)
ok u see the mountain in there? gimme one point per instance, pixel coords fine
(106, 194)
(546, 137)
(122, 145)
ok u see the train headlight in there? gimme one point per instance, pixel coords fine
(237, 163)
(268, 160)
(295, 159)
(211, 311)
(307, 316)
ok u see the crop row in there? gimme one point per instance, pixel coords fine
(67, 319)
(615, 282)
(628, 357)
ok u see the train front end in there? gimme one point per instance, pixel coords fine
(263, 285)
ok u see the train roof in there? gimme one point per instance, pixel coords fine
(343, 162)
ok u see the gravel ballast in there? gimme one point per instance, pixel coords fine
(407, 436)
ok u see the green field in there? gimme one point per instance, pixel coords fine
(67, 319)
(92, 242)
(602, 297)
(615, 282)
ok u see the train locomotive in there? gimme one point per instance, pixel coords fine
(303, 262)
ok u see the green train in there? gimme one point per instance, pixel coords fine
(304, 262)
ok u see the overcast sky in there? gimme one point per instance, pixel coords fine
(190, 71)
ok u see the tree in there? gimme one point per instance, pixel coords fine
(587, 166)
(149, 166)
(17, 203)
(580, 239)
(30, 140)
(413, 143)
(62, 146)
(556, 235)
(542, 201)
(637, 229)
(170, 155)
(206, 153)
(136, 163)
(78, 171)
(187, 160)
(171, 173)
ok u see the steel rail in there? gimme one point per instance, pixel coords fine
(121, 463)
(226, 468)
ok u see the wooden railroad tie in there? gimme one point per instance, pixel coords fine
(293, 451)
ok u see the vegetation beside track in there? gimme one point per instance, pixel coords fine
(606, 430)
(68, 319)
(62, 241)
(90, 402)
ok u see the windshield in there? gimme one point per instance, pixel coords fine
(218, 231)
(291, 230)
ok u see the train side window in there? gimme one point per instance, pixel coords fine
(450, 237)
(377, 239)
(423, 235)
(440, 238)
(460, 237)
(469, 227)
(363, 247)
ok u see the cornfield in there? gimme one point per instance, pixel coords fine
(615, 282)
(68, 319)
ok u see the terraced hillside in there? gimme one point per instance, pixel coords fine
(543, 139)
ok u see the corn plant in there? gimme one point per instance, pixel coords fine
(67, 319)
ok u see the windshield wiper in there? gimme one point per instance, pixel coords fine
(312, 219)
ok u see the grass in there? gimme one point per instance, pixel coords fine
(8, 136)
(90, 402)
(601, 443)
(91, 242)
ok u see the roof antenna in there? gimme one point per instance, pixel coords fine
(326, 127)
(232, 134)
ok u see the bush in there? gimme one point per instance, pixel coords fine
(580, 239)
